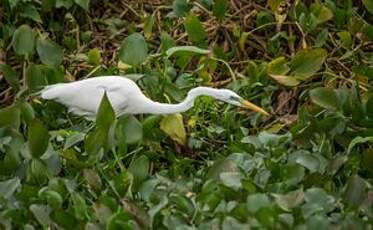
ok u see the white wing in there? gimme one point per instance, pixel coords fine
(83, 97)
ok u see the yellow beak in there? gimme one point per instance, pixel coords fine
(249, 105)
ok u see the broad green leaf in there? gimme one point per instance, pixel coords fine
(307, 62)
(120, 221)
(35, 77)
(289, 200)
(321, 12)
(49, 52)
(37, 172)
(173, 126)
(221, 166)
(257, 201)
(186, 49)
(38, 138)
(130, 129)
(139, 168)
(41, 213)
(83, 3)
(32, 13)
(79, 206)
(64, 3)
(231, 179)
(105, 115)
(309, 161)
(368, 32)
(64, 219)
(324, 97)
(285, 80)
(278, 66)
(369, 107)
(180, 8)
(133, 50)
(355, 192)
(368, 5)
(148, 26)
(10, 116)
(219, 8)
(9, 187)
(94, 56)
(194, 29)
(317, 200)
(23, 40)
(54, 199)
(10, 75)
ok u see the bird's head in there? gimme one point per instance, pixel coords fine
(233, 98)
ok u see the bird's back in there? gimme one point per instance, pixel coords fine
(83, 97)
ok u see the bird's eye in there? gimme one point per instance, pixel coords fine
(234, 98)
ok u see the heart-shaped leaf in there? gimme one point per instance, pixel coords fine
(49, 52)
(23, 40)
(324, 97)
(133, 50)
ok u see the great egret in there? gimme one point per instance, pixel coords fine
(83, 97)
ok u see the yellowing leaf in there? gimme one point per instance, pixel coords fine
(285, 80)
(173, 126)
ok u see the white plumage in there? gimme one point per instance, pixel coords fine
(83, 97)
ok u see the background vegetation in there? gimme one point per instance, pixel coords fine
(307, 166)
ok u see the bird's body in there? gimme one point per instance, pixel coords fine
(83, 97)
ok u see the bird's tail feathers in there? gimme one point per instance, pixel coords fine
(51, 91)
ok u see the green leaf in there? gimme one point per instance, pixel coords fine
(37, 172)
(35, 77)
(83, 3)
(231, 179)
(317, 200)
(355, 192)
(79, 206)
(49, 52)
(289, 200)
(180, 8)
(105, 115)
(94, 56)
(307, 62)
(309, 161)
(257, 201)
(41, 213)
(120, 221)
(23, 40)
(321, 12)
(278, 66)
(173, 126)
(64, 3)
(194, 29)
(139, 168)
(10, 116)
(368, 32)
(185, 50)
(219, 8)
(9, 187)
(38, 138)
(368, 5)
(285, 80)
(133, 50)
(10, 75)
(148, 26)
(130, 129)
(31, 12)
(324, 97)
(369, 107)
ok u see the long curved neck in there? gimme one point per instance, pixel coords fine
(163, 108)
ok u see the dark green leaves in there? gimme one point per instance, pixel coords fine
(307, 62)
(133, 50)
(368, 5)
(194, 29)
(180, 8)
(105, 114)
(49, 52)
(38, 138)
(219, 8)
(83, 3)
(325, 98)
(24, 40)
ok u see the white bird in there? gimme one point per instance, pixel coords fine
(83, 97)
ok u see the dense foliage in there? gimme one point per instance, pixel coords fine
(307, 166)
